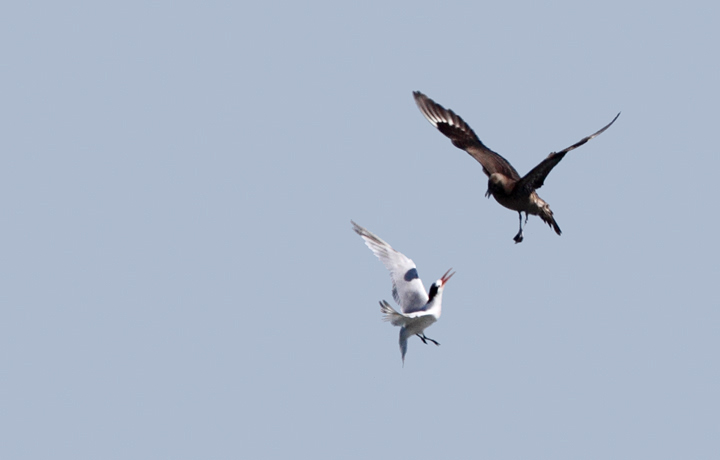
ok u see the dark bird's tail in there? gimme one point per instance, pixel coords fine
(547, 216)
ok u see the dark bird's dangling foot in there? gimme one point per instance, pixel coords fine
(519, 237)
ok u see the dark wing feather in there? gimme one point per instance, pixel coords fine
(536, 177)
(463, 137)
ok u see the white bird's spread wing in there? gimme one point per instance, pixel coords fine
(408, 290)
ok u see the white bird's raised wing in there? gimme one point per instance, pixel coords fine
(408, 290)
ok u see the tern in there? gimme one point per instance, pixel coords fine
(504, 182)
(419, 309)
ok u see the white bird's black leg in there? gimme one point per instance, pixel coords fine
(424, 338)
(519, 237)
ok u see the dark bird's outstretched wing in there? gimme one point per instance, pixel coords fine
(462, 136)
(536, 177)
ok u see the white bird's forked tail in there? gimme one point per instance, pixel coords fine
(389, 314)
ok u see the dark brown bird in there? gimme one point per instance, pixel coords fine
(504, 182)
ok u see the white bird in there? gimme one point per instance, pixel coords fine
(419, 309)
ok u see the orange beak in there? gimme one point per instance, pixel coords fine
(446, 277)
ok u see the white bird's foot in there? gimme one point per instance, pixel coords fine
(424, 338)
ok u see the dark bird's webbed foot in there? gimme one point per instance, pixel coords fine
(519, 237)
(424, 338)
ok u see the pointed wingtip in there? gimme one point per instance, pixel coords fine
(359, 229)
(606, 126)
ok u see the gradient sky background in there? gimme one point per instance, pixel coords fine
(180, 278)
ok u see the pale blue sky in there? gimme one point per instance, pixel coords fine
(180, 278)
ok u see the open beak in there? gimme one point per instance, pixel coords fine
(446, 277)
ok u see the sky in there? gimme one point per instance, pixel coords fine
(179, 274)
